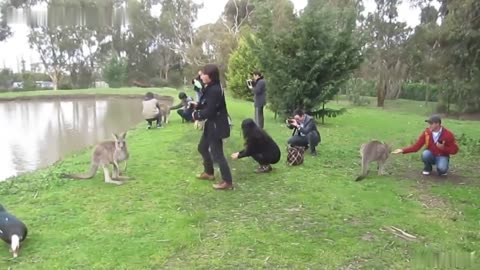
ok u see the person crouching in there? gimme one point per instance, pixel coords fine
(258, 145)
(151, 110)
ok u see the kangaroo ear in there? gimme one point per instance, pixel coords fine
(124, 134)
(115, 136)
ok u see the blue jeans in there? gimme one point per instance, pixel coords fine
(440, 161)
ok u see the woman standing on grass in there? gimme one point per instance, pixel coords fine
(258, 145)
(213, 108)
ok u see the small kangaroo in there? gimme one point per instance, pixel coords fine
(165, 111)
(105, 153)
(373, 151)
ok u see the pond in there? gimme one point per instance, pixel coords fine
(37, 133)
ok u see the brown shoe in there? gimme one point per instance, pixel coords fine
(223, 186)
(205, 176)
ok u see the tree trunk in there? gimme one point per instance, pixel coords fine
(381, 90)
(54, 78)
(323, 114)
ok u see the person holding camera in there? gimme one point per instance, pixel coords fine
(305, 132)
(213, 108)
(198, 85)
(259, 88)
(184, 108)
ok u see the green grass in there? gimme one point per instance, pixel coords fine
(309, 217)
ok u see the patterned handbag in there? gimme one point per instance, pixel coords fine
(295, 155)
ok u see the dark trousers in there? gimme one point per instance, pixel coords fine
(185, 114)
(304, 141)
(212, 150)
(265, 159)
(259, 116)
(157, 118)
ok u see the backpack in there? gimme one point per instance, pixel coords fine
(295, 155)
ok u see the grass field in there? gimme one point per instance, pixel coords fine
(309, 217)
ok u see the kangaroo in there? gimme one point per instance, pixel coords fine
(165, 111)
(373, 151)
(105, 153)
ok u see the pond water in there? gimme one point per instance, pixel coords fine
(36, 134)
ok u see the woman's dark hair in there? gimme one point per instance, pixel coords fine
(182, 95)
(258, 73)
(212, 71)
(252, 132)
(148, 95)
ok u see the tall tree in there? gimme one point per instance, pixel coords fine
(306, 64)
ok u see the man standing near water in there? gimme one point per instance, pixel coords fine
(259, 89)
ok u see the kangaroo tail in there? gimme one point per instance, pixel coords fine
(89, 175)
(364, 170)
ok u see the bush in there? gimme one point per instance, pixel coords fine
(158, 82)
(241, 63)
(418, 91)
(115, 72)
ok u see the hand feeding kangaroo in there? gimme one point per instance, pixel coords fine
(373, 151)
(106, 153)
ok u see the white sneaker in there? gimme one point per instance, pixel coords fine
(444, 174)
(425, 173)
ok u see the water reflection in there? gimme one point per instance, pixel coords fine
(35, 134)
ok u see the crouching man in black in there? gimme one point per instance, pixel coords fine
(305, 132)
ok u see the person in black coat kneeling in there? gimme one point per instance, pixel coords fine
(258, 145)
(213, 108)
(12, 230)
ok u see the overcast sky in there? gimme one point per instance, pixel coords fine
(16, 47)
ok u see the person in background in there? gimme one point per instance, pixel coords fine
(198, 85)
(439, 142)
(184, 108)
(258, 145)
(213, 108)
(305, 131)
(151, 110)
(259, 89)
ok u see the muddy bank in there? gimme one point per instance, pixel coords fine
(162, 98)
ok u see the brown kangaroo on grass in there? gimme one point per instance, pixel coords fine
(106, 153)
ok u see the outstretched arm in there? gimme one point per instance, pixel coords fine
(415, 147)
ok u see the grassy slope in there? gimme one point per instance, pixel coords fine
(312, 216)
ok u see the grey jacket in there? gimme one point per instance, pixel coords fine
(309, 129)
(260, 93)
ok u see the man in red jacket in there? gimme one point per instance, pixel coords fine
(439, 143)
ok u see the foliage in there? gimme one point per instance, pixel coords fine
(242, 62)
(308, 63)
(115, 72)
(358, 89)
(419, 91)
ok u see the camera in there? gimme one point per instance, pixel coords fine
(290, 122)
(250, 83)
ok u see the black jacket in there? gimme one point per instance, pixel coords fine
(260, 93)
(265, 146)
(213, 108)
(10, 225)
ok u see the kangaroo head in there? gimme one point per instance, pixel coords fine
(120, 142)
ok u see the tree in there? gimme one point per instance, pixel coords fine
(307, 63)
(115, 72)
(242, 62)
(48, 43)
